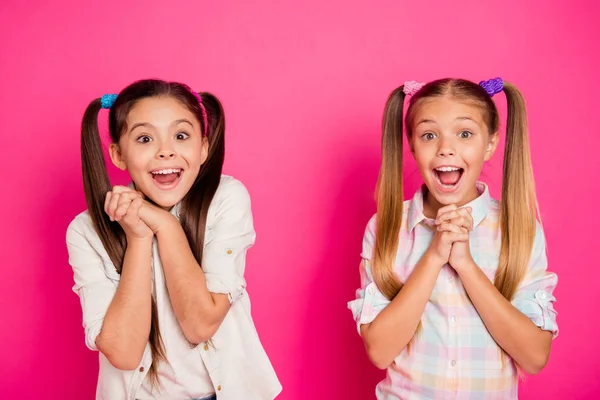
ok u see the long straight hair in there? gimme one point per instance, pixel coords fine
(519, 204)
(195, 204)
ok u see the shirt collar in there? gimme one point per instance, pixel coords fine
(480, 206)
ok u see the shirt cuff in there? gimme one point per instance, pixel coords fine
(218, 283)
(366, 308)
(539, 310)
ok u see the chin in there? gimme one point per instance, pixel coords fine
(166, 201)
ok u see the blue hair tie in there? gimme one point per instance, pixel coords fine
(107, 100)
(492, 86)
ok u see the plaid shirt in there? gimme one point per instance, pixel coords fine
(454, 356)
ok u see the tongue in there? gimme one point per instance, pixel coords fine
(449, 178)
(165, 178)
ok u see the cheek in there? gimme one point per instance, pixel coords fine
(138, 160)
(192, 154)
(475, 154)
(423, 154)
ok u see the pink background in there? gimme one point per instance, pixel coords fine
(304, 85)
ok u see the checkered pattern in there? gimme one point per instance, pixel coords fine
(454, 356)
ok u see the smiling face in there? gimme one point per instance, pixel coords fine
(162, 148)
(450, 142)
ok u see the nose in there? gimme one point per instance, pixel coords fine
(165, 154)
(446, 149)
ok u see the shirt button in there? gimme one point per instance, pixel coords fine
(219, 387)
(229, 251)
(450, 279)
(206, 346)
(453, 363)
(453, 319)
(141, 369)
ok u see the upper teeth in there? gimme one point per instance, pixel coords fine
(166, 171)
(447, 169)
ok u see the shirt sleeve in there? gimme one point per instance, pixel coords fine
(534, 297)
(94, 288)
(232, 234)
(369, 300)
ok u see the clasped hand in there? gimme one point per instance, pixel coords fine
(138, 218)
(450, 243)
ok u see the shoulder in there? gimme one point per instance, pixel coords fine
(231, 199)
(230, 186)
(372, 223)
(231, 190)
(81, 227)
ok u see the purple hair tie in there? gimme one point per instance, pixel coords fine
(202, 108)
(492, 86)
(412, 87)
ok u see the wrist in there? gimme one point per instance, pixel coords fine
(136, 241)
(167, 225)
(433, 260)
(466, 268)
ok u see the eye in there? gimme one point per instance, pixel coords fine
(144, 139)
(181, 136)
(465, 134)
(428, 136)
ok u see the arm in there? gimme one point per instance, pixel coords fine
(116, 319)
(387, 327)
(202, 295)
(525, 327)
(395, 326)
(198, 311)
(126, 327)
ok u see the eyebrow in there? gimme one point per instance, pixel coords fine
(426, 121)
(182, 121)
(141, 124)
(465, 119)
(149, 125)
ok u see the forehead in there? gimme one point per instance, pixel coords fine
(159, 110)
(446, 110)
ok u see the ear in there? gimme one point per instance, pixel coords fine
(491, 146)
(204, 151)
(115, 156)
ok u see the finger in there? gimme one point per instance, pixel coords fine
(133, 212)
(457, 237)
(448, 227)
(445, 209)
(465, 211)
(124, 202)
(107, 201)
(112, 206)
(463, 222)
(447, 216)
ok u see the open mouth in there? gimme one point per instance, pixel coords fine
(448, 177)
(166, 178)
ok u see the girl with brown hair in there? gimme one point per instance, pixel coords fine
(159, 265)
